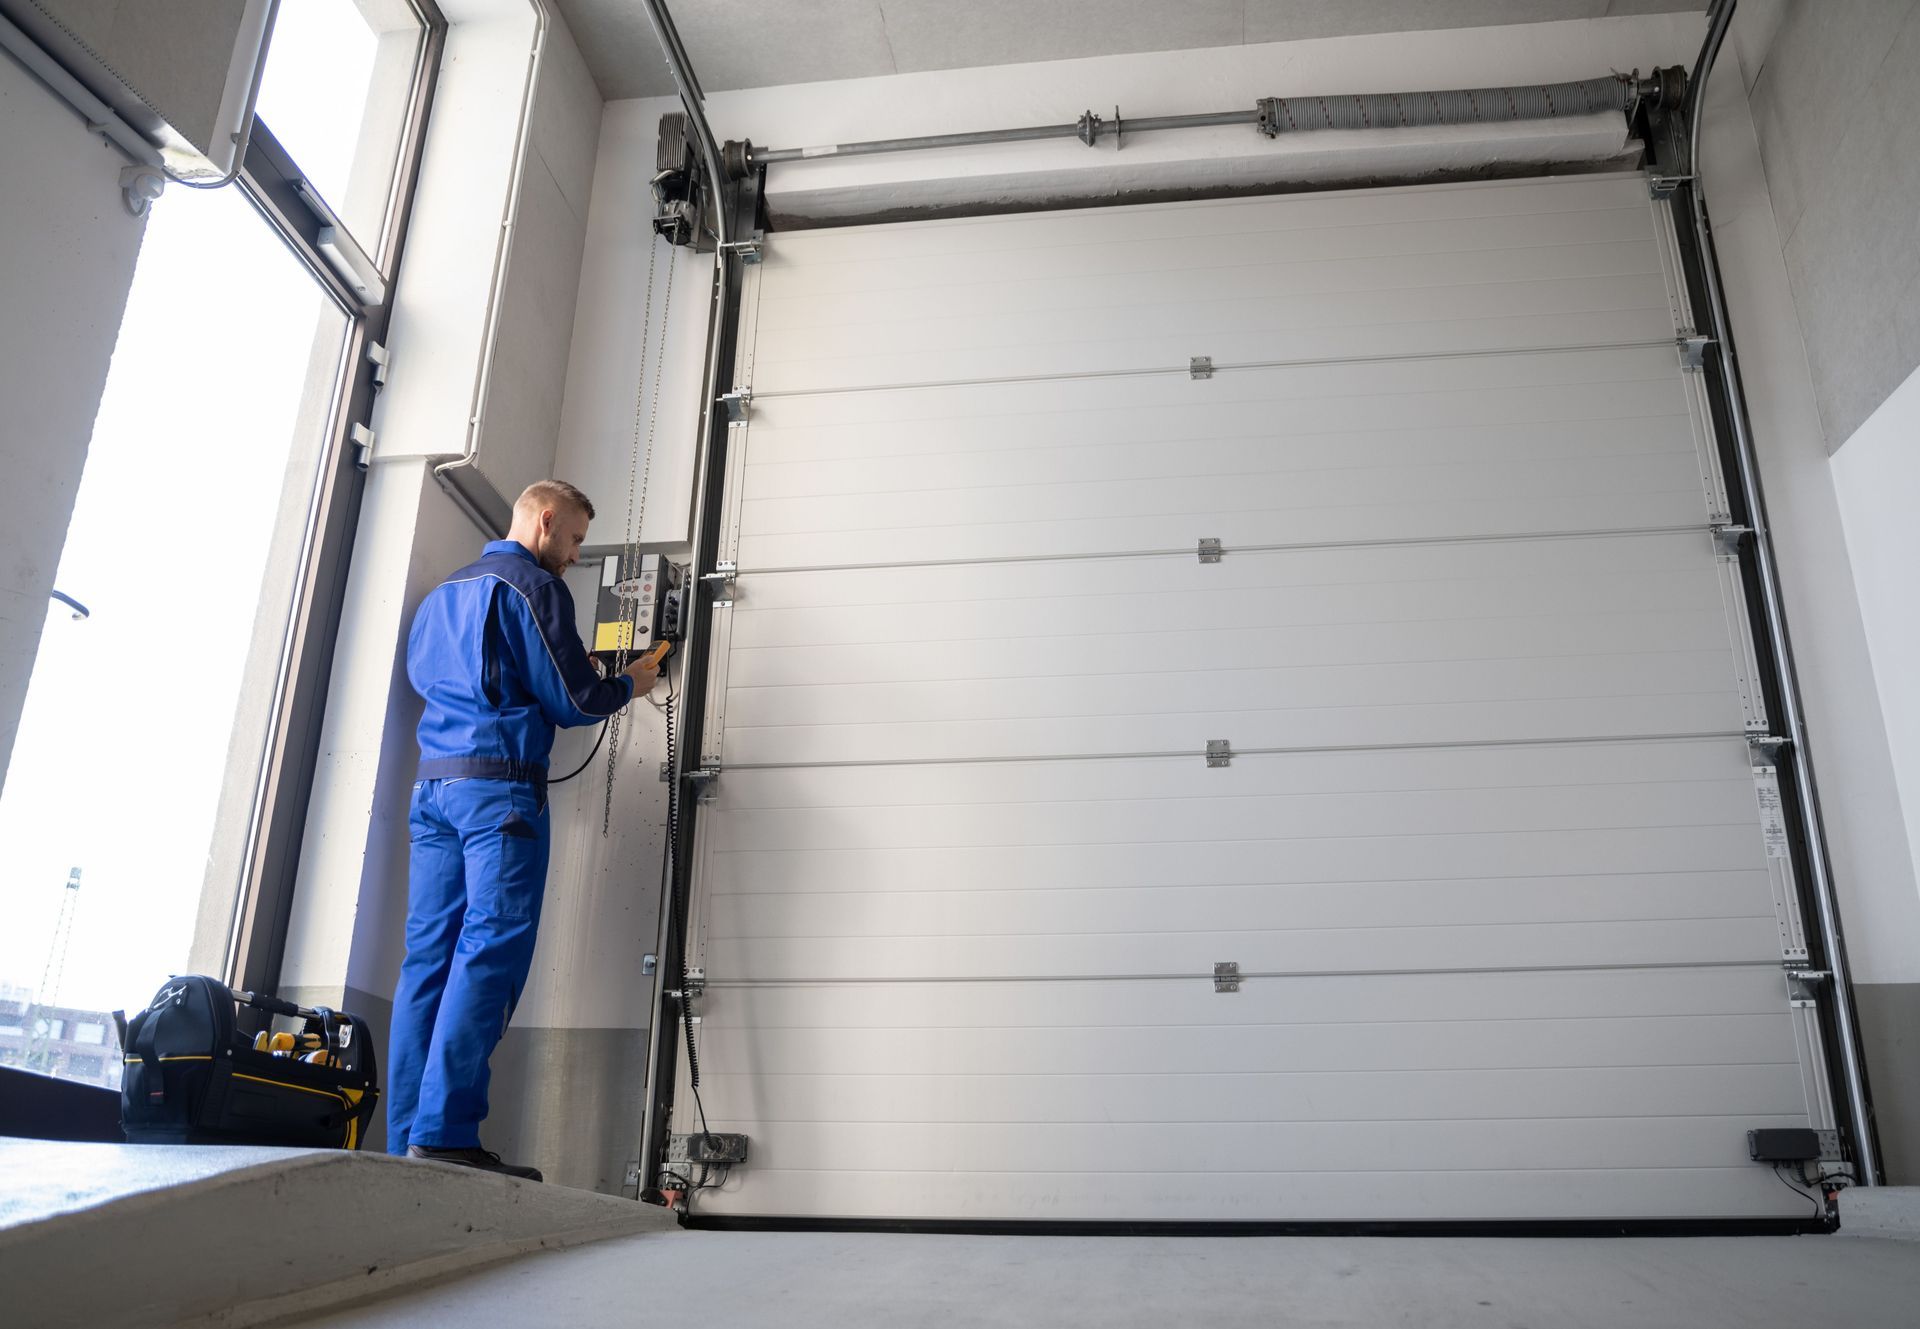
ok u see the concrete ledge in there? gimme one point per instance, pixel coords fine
(1891, 1213)
(127, 1235)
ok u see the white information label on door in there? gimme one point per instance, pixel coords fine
(1773, 821)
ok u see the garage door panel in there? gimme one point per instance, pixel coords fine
(1149, 1196)
(1270, 279)
(1553, 378)
(991, 910)
(1098, 536)
(895, 434)
(1488, 852)
(1203, 607)
(1702, 1040)
(1378, 725)
(1266, 775)
(1319, 492)
(1235, 690)
(1772, 1089)
(787, 338)
(1685, 553)
(1551, 996)
(766, 476)
(1225, 817)
(1384, 858)
(1157, 347)
(1190, 223)
(1253, 1148)
(1332, 950)
(1087, 268)
(1582, 311)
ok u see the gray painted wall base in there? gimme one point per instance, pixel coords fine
(1890, 1032)
(258, 1235)
(568, 1102)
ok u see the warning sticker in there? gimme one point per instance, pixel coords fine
(1773, 820)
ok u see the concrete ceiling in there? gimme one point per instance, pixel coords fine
(764, 43)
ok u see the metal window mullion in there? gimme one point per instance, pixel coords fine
(277, 827)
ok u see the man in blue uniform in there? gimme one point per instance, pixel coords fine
(497, 658)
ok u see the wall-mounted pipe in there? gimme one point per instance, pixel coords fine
(1274, 116)
(1826, 906)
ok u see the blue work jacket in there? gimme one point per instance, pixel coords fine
(496, 656)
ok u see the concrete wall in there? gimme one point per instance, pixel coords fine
(67, 250)
(1877, 474)
(1833, 100)
(1830, 86)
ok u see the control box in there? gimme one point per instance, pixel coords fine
(634, 613)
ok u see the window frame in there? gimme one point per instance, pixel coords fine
(276, 825)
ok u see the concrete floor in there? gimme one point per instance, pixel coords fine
(830, 1281)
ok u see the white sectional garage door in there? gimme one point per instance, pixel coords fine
(1487, 852)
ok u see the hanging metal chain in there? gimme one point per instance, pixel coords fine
(639, 479)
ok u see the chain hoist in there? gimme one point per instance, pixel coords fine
(639, 479)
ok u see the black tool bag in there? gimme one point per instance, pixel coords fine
(191, 1077)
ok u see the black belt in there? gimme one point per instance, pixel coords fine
(484, 768)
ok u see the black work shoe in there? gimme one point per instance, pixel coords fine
(483, 1159)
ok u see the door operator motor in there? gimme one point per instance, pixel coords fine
(637, 614)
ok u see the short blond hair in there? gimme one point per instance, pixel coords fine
(543, 494)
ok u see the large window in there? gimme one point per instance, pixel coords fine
(218, 489)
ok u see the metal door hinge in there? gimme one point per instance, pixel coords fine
(1693, 350)
(1209, 550)
(362, 439)
(692, 988)
(1765, 748)
(1662, 186)
(1803, 987)
(1226, 976)
(1726, 539)
(377, 357)
(739, 404)
(748, 249)
(1200, 366)
(702, 779)
(720, 582)
(1219, 752)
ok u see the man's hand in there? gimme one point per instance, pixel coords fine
(644, 673)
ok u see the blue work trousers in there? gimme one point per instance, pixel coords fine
(477, 874)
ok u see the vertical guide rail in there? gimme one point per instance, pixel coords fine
(733, 204)
(1676, 147)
